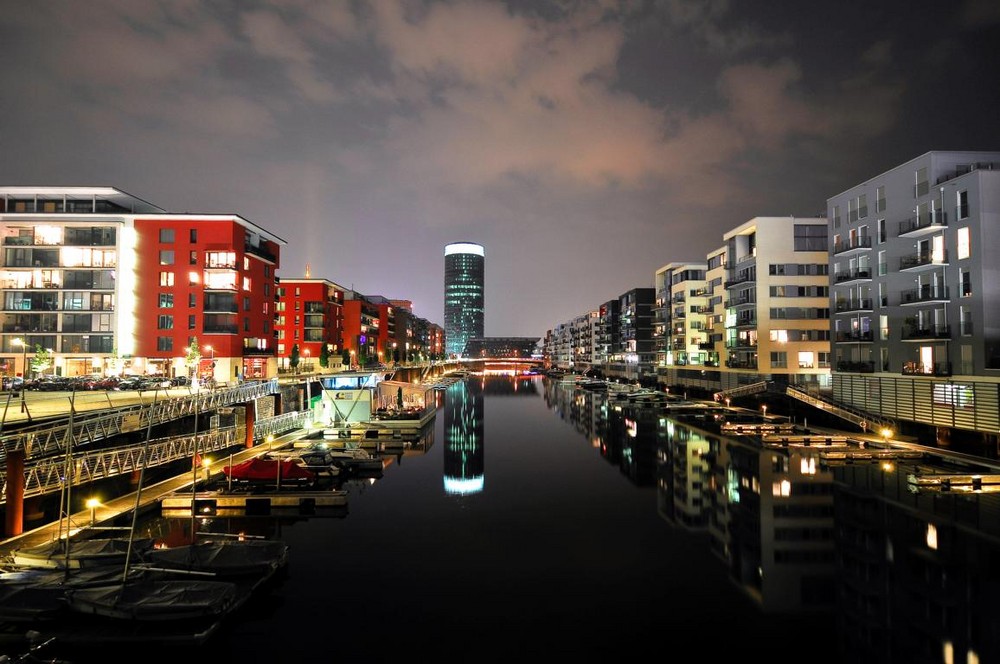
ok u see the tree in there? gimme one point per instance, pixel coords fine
(193, 356)
(41, 361)
(345, 358)
(324, 356)
(399, 398)
(293, 358)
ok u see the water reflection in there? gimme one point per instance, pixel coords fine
(465, 453)
(895, 566)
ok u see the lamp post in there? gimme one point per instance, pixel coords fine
(24, 367)
(764, 408)
(306, 363)
(352, 360)
(92, 504)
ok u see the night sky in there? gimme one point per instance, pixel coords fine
(584, 144)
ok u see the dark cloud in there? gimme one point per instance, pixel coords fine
(585, 144)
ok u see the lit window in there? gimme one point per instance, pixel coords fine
(166, 278)
(781, 336)
(964, 242)
(246, 283)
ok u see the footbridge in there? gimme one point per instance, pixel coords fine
(867, 422)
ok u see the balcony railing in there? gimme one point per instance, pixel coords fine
(856, 367)
(864, 304)
(741, 364)
(853, 275)
(931, 221)
(853, 244)
(924, 294)
(923, 259)
(853, 337)
(914, 333)
(918, 369)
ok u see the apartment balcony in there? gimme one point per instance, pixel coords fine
(924, 260)
(920, 369)
(854, 337)
(742, 278)
(852, 246)
(847, 306)
(923, 224)
(220, 329)
(741, 344)
(924, 295)
(220, 265)
(930, 333)
(852, 276)
(261, 252)
(706, 345)
(741, 364)
(746, 322)
(856, 367)
(743, 301)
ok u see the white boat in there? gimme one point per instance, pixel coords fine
(356, 459)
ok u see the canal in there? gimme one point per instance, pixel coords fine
(540, 521)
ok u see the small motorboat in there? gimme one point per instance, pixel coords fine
(81, 553)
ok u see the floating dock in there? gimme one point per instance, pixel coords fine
(248, 503)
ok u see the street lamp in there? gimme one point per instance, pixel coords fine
(24, 366)
(352, 359)
(206, 463)
(92, 505)
(764, 408)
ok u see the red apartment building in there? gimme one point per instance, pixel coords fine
(210, 278)
(310, 315)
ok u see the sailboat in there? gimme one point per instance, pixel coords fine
(64, 552)
(250, 561)
(156, 600)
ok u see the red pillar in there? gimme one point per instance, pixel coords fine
(14, 521)
(251, 412)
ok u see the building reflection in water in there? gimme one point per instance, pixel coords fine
(895, 564)
(464, 456)
(464, 451)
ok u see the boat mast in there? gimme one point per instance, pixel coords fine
(65, 500)
(138, 490)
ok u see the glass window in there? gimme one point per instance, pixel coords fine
(964, 241)
(191, 322)
(164, 343)
(166, 235)
(192, 300)
(167, 257)
(165, 322)
(193, 258)
(962, 211)
(166, 278)
(880, 198)
(921, 186)
(965, 283)
(166, 300)
(193, 236)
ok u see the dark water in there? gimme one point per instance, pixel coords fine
(543, 522)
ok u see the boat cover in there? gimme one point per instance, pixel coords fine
(260, 469)
(226, 557)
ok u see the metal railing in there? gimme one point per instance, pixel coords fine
(51, 437)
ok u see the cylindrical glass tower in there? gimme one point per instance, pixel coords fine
(464, 270)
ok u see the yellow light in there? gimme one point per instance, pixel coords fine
(887, 433)
(93, 503)
(206, 462)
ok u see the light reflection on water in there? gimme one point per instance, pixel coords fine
(548, 521)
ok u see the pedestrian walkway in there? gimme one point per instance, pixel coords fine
(109, 511)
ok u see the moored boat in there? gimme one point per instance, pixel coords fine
(75, 554)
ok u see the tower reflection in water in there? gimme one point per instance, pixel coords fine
(464, 450)
(464, 456)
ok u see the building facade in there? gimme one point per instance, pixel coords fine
(464, 302)
(310, 316)
(916, 333)
(110, 284)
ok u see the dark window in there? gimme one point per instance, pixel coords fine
(166, 235)
(165, 322)
(165, 343)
